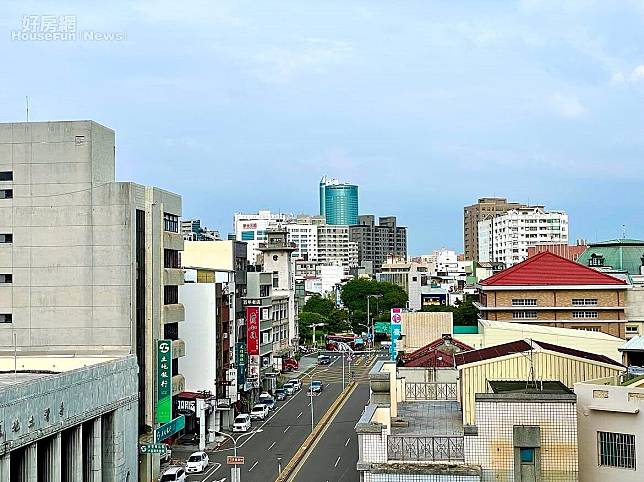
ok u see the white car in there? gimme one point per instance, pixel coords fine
(197, 462)
(259, 412)
(297, 384)
(289, 388)
(173, 474)
(241, 423)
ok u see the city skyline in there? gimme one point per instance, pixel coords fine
(531, 101)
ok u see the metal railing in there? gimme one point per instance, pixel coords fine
(430, 391)
(427, 449)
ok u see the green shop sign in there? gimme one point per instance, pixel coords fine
(164, 381)
(164, 431)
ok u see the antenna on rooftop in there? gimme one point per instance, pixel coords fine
(27, 105)
(623, 231)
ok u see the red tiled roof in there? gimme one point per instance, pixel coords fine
(521, 346)
(432, 359)
(545, 269)
(434, 345)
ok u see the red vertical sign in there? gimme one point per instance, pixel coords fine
(252, 330)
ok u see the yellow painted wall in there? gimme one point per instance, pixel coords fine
(420, 328)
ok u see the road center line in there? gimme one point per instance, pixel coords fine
(299, 415)
(256, 462)
(336, 462)
(347, 442)
(286, 429)
(271, 446)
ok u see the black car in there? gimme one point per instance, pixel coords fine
(280, 394)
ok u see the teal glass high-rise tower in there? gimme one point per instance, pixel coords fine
(338, 202)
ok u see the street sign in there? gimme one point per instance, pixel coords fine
(396, 320)
(164, 431)
(235, 460)
(382, 327)
(164, 381)
(152, 449)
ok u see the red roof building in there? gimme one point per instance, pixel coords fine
(551, 290)
(437, 354)
(568, 251)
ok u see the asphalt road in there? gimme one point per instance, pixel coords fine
(284, 431)
(336, 454)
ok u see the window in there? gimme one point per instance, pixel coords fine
(170, 258)
(5, 318)
(264, 290)
(588, 328)
(170, 295)
(584, 314)
(6, 278)
(276, 279)
(616, 449)
(596, 260)
(6, 238)
(524, 302)
(6, 175)
(524, 314)
(248, 235)
(527, 455)
(6, 193)
(170, 223)
(584, 302)
(632, 329)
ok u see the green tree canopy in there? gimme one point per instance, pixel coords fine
(354, 297)
(465, 313)
(306, 320)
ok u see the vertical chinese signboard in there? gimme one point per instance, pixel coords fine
(241, 362)
(252, 330)
(395, 330)
(164, 381)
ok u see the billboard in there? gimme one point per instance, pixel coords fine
(396, 319)
(252, 330)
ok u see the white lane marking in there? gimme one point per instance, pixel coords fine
(256, 462)
(214, 469)
(286, 429)
(299, 415)
(337, 462)
(309, 404)
(347, 442)
(327, 385)
(272, 445)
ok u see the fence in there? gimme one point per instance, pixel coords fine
(425, 449)
(430, 391)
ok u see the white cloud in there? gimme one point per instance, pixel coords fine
(280, 65)
(633, 77)
(568, 106)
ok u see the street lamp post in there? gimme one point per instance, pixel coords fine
(235, 473)
(369, 318)
(314, 326)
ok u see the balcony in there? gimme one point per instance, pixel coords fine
(173, 313)
(172, 276)
(178, 384)
(178, 349)
(172, 241)
(420, 448)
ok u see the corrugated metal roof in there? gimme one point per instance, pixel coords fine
(521, 346)
(548, 269)
(634, 344)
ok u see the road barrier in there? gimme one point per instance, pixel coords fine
(311, 440)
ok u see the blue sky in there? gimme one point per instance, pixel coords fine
(427, 105)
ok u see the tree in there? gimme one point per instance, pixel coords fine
(320, 305)
(306, 320)
(465, 313)
(354, 296)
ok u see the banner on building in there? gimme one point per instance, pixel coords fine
(252, 330)
(240, 362)
(164, 381)
(396, 319)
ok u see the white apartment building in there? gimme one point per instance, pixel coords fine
(305, 238)
(251, 228)
(335, 247)
(506, 238)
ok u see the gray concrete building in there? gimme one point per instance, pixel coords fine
(93, 264)
(73, 420)
(378, 241)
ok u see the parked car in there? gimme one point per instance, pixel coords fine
(241, 423)
(173, 474)
(324, 360)
(316, 386)
(267, 400)
(288, 388)
(197, 462)
(280, 394)
(259, 412)
(167, 455)
(296, 382)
